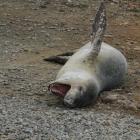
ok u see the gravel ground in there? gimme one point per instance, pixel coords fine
(32, 30)
(30, 119)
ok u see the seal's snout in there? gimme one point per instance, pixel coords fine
(69, 102)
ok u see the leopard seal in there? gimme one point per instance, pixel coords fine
(95, 67)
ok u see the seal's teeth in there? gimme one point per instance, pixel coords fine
(50, 87)
(58, 92)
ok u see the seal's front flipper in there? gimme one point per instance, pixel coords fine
(59, 59)
(66, 54)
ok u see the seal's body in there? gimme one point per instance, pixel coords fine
(88, 76)
(95, 67)
(108, 69)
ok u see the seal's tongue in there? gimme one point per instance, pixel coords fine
(59, 89)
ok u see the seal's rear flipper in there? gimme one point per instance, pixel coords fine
(60, 59)
(98, 28)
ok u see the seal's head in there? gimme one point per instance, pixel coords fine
(74, 95)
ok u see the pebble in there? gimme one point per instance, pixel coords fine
(28, 130)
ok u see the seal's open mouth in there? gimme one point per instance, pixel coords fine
(59, 89)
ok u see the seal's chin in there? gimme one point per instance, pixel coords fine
(59, 89)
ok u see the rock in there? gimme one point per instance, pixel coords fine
(131, 106)
(109, 98)
(127, 104)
